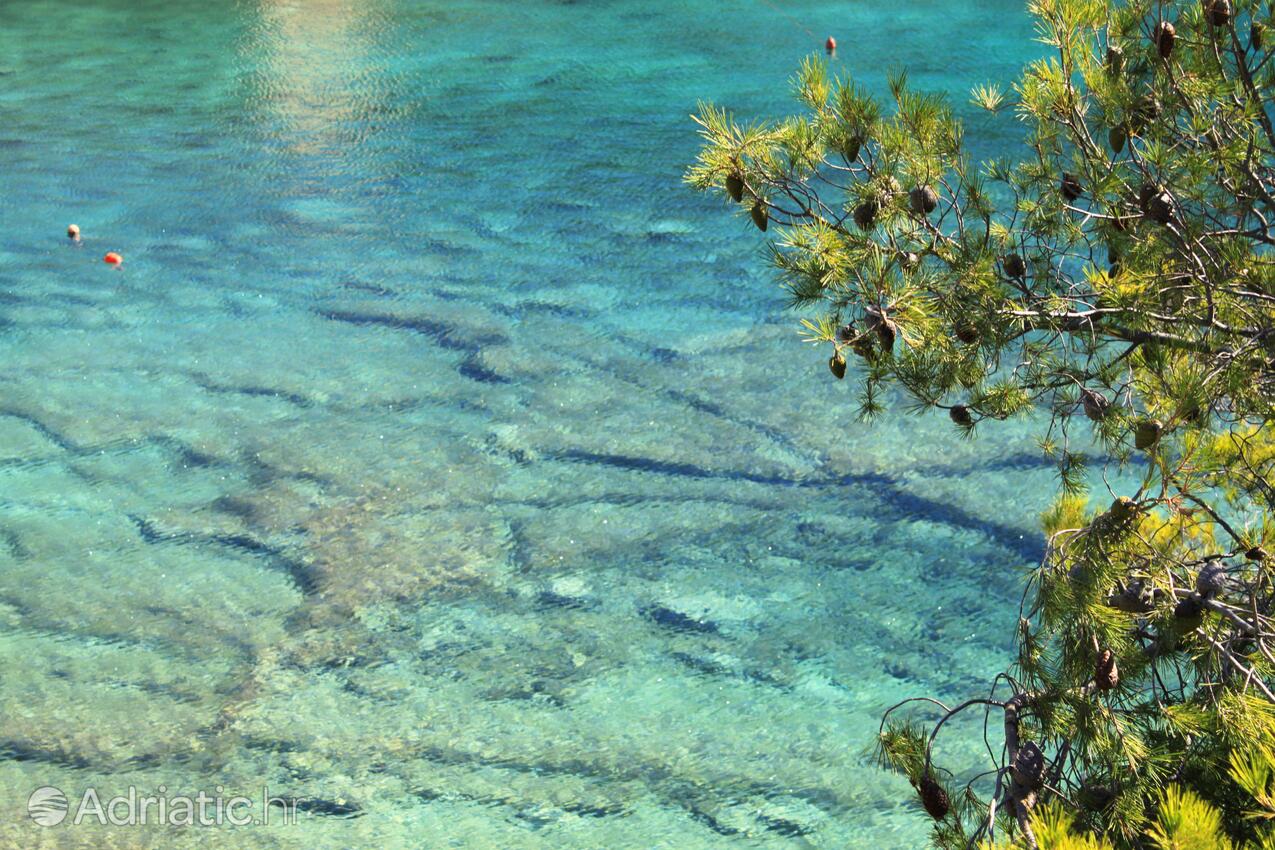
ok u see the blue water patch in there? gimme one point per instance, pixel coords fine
(435, 456)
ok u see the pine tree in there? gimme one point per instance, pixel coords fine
(1116, 277)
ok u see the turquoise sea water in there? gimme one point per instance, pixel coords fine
(436, 456)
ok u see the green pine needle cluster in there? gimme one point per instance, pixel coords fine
(1115, 278)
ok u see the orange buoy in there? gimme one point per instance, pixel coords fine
(830, 45)
(73, 231)
(113, 259)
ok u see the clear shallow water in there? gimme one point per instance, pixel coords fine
(437, 456)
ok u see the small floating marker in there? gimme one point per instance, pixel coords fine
(830, 45)
(73, 232)
(113, 259)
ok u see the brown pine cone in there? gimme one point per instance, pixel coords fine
(923, 200)
(1070, 187)
(934, 798)
(837, 364)
(1217, 12)
(1095, 405)
(761, 217)
(1212, 580)
(1163, 37)
(1105, 675)
(1013, 266)
(1147, 433)
(884, 327)
(1028, 768)
(865, 215)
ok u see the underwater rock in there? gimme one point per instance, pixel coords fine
(566, 592)
(103, 707)
(23, 439)
(381, 548)
(677, 621)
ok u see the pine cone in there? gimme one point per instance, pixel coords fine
(1070, 187)
(1095, 796)
(1121, 513)
(1147, 433)
(1147, 110)
(865, 215)
(1013, 266)
(1255, 36)
(924, 200)
(960, 414)
(1028, 768)
(934, 798)
(735, 187)
(1158, 206)
(1115, 59)
(1095, 405)
(1257, 553)
(1116, 137)
(1212, 580)
(886, 332)
(1189, 612)
(1133, 599)
(966, 331)
(884, 327)
(1156, 203)
(1105, 675)
(1163, 37)
(851, 150)
(1217, 12)
(761, 217)
(837, 364)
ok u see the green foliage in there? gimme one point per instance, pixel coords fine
(1180, 820)
(1116, 279)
